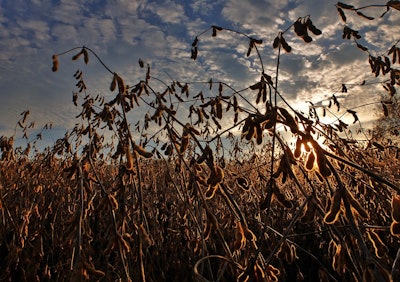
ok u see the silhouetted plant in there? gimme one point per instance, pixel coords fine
(164, 198)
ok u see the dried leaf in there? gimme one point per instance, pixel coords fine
(85, 56)
(312, 27)
(354, 113)
(276, 42)
(255, 86)
(76, 56)
(362, 47)
(196, 40)
(194, 53)
(141, 63)
(385, 110)
(344, 6)
(394, 5)
(300, 28)
(214, 30)
(75, 98)
(290, 121)
(55, 63)
(113, 84)
(342, 15)
(285, 45)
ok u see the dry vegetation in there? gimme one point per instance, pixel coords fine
(175, 199)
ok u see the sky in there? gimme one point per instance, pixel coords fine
(161, 32)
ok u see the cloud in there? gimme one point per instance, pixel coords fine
(168, 12)
(160, 33)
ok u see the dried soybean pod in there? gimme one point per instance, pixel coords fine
(309, 212)
(210, 192)
(321, 160)
(395, 228)
(85, 56)
(284, 44)
(310, 160)
(251, 132)
(113, 201)
(142, 152)
(76, 56)
(297, 150)
(184, 144)
(259, 134)
(290, 121)
(248, 233)
(247, 124)
(113, 84)
(396, 208)
(356, 205)
(207, 230)
(276, 42)
(379, 247)
(333, 213)
(129, 159)
(281, 198)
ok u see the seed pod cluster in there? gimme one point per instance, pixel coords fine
(301, 30)
(284, 167)
(84, 53)
(335, 204)
(187, 130)
(272, 273)
(287, 252)
(349, 33)
(242, 235)
(289, 120)
(302, 26)
(277, 194)
(280, 41)
(194, 50)
(261, 86)
(252, 44)
(255, 124)
(216, 176)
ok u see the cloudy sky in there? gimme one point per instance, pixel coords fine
(161, 32)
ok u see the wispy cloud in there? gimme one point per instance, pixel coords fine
(160, 33)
